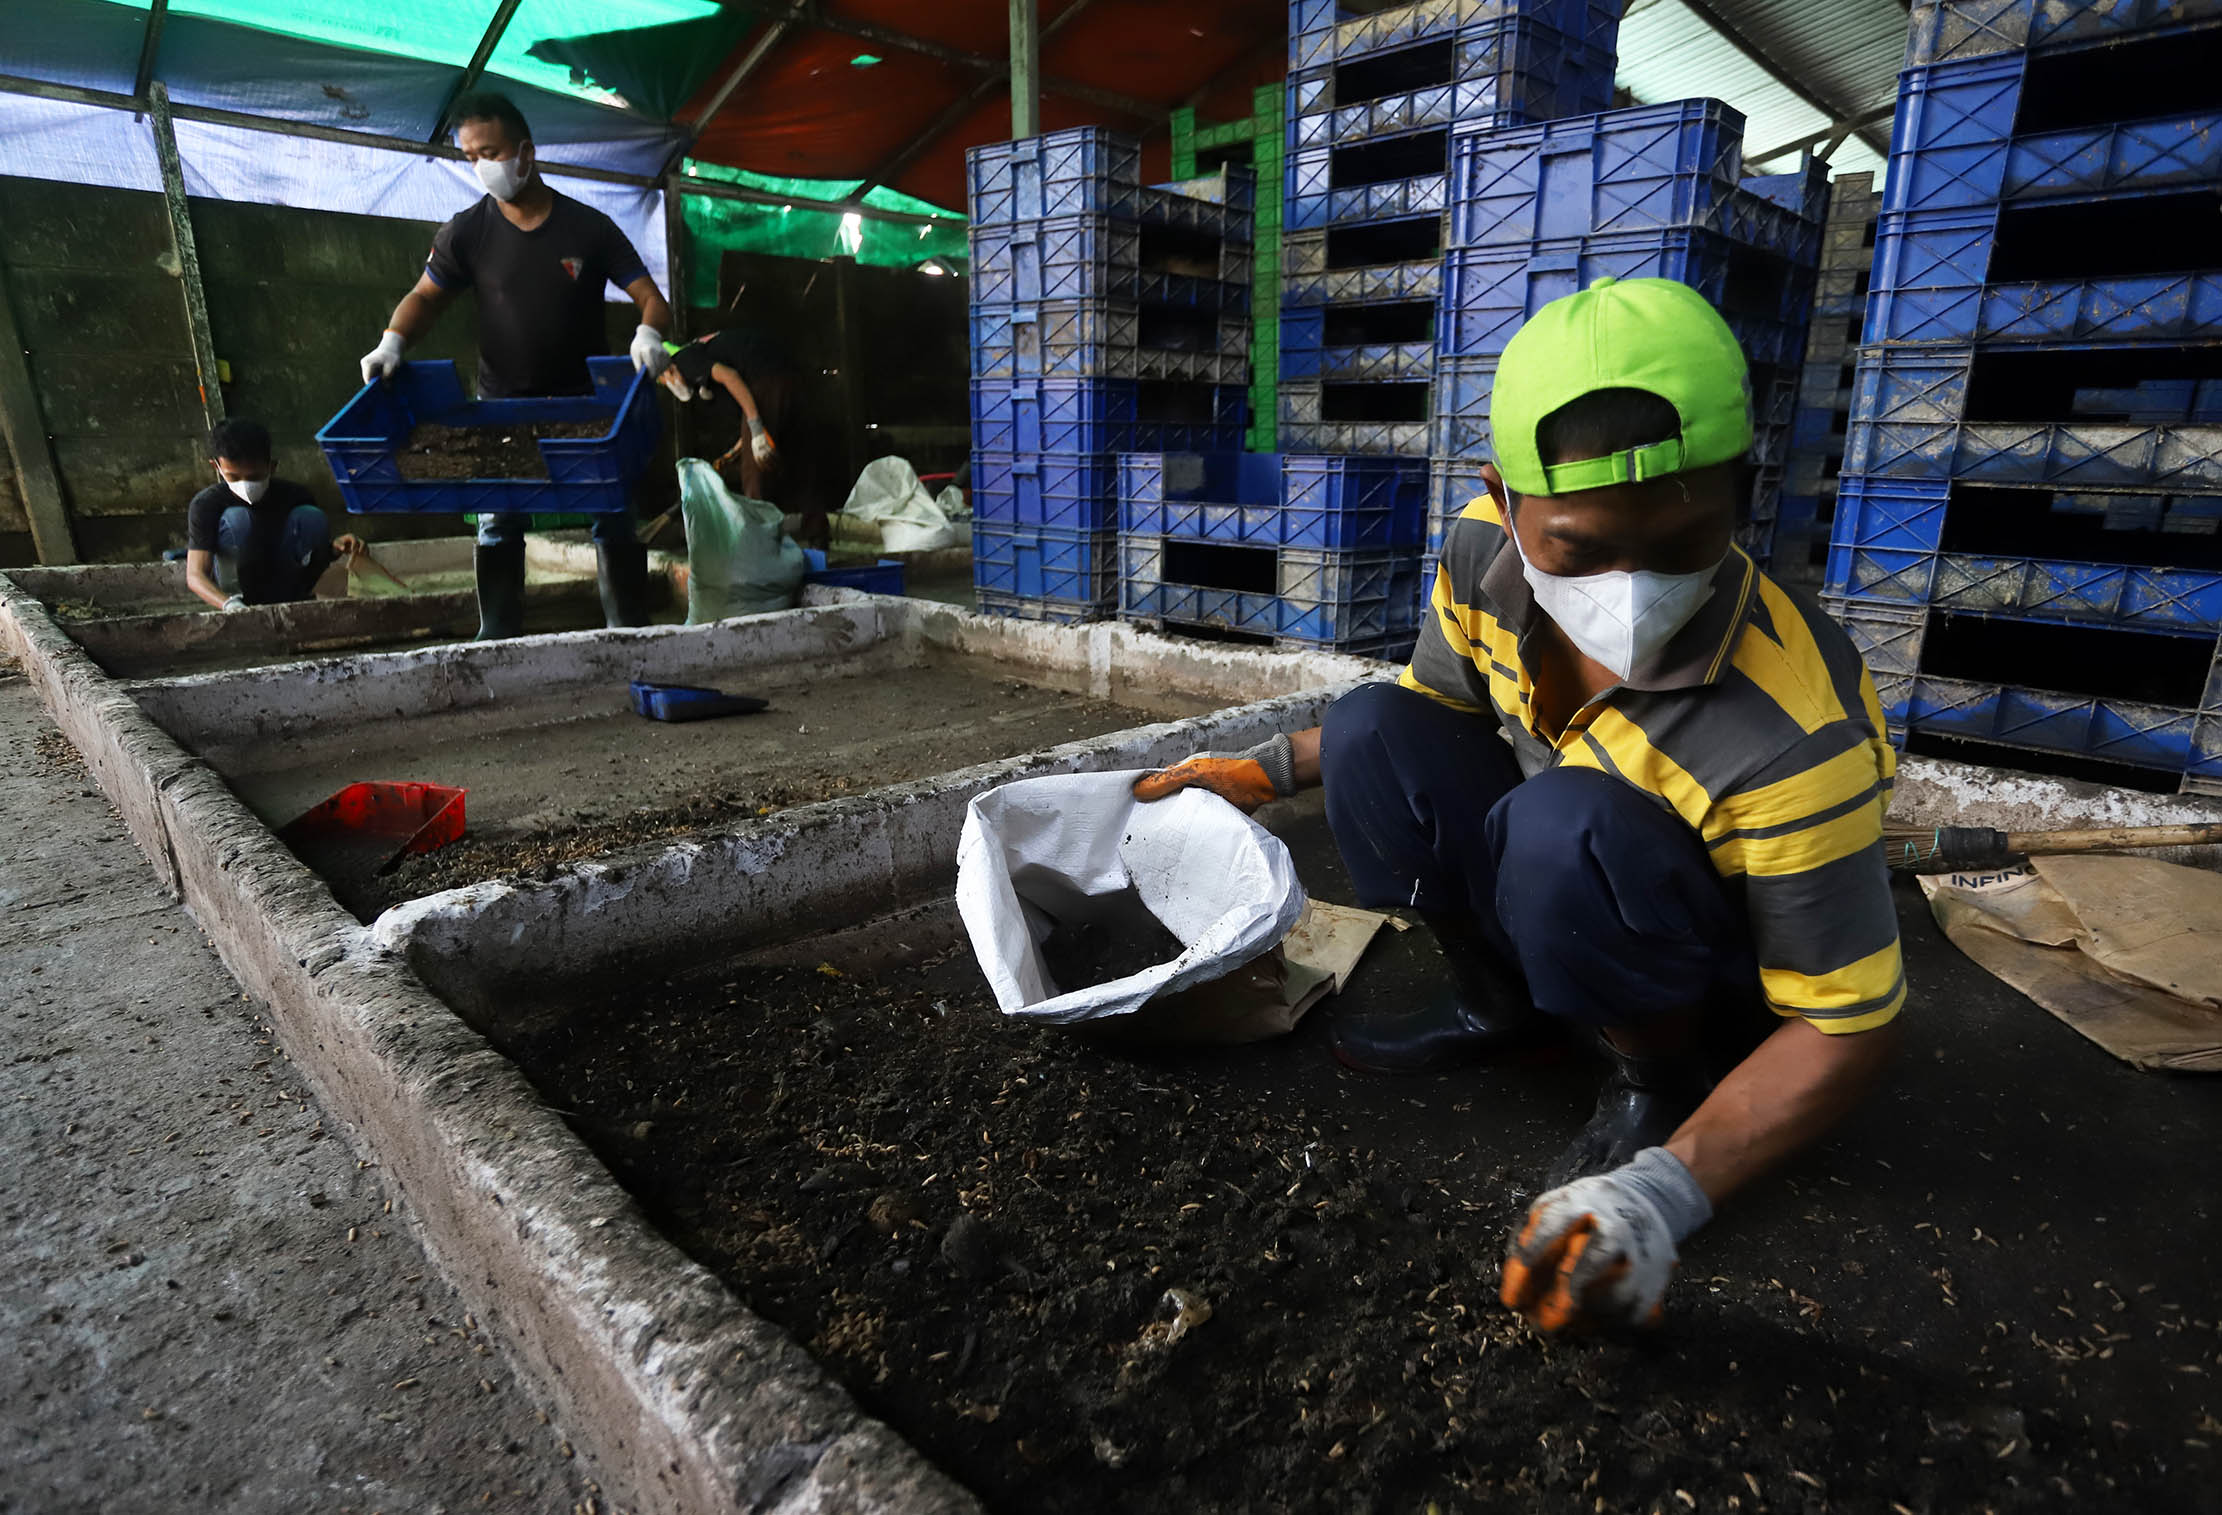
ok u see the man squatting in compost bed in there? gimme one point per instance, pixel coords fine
(252, 538)
(538, 261)
(1633, 786)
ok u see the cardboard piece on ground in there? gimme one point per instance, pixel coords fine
(1266, 996)
(2127, 951)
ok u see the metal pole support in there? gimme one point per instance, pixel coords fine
(1026, 69)
(187, 253)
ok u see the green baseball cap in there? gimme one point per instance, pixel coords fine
(1655, 335)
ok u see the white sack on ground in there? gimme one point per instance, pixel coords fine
(1048, 849)
(888, 494)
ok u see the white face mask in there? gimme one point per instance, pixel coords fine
(1618, 619)
(503, 177)
(249, 490)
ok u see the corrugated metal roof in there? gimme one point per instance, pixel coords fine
(1844, 53)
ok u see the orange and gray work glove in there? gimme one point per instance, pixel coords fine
(1245, 779)
(760, 442)
(1598, 1252)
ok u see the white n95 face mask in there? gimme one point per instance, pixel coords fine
(1621, 618)
(503, 177)
(249, 490)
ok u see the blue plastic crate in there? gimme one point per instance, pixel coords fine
(1488, 294)
(1890, 640)
(1055, 612)
(1105, 415)
(882, 577)
(1340, 504)
(1325, 598)
(1953, 145)
(1314, 202)
(1459, 428)
(1081, 171)
(1072, 568)
(1886, 548)
(1503, 73)
(1097, 257)
(1322, 31)
(1402, 439)
(1453, 483)
(1930, 287)
(1098, 339)
(1379, 284)
(1231, 185)
(1803, 192)
(1064, 492)
(1645, 168)
(1907, 423)
(1306, 428)
(593, 475)
(1306, 357)
(1944, 29)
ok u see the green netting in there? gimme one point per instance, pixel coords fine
(592, 49)
(718, 226)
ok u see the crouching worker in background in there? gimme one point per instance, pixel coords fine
(252, 538)
(1636, 791)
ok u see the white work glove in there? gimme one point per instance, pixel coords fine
(1599, 1252)
(384, 360)
(760, 441)
(649, 356)
(234, 603)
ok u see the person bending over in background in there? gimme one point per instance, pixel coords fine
(736, 375)
(1633, 786)
(252, 538)
(539, 261)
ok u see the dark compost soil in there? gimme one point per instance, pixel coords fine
(434, 451)
(1086, 1281)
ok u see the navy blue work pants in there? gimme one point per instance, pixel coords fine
(1603, 897)
(269, 559)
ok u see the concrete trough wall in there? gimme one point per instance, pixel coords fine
(145, 622)
(682, 1399)
(808, 869)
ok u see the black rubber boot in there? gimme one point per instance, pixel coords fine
(621, 574)
(1643, 1102)
(1484, 1011)
(500, 571)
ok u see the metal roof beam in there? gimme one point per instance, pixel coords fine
(749, 64)
(810, 13)
(466, 81)
(1709, 13)
(150, 47)
(953, 117)
(1830, 135)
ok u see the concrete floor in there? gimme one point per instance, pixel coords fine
(206, 1299)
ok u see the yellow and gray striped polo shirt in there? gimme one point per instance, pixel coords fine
(1757, 724)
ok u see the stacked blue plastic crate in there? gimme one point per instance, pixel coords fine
(1308, 551)
(1825, 389)
(1651, 191)
(1107, 316)
(2025, 539)
(1321, 545)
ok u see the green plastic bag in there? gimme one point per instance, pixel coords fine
(739, 562)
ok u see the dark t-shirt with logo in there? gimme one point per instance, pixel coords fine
(206, 511)
(539, 292)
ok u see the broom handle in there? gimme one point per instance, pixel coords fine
(2113, 838)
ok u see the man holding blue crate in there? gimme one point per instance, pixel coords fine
(538, 260)
(1635, 788)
